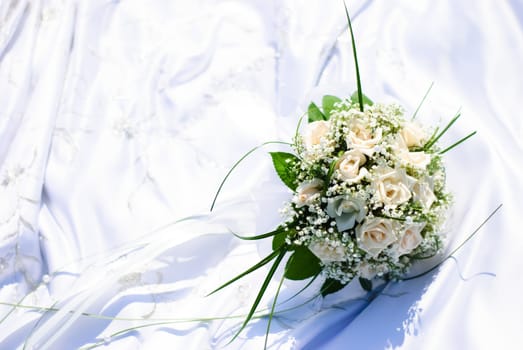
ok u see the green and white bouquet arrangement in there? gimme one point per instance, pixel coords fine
(368, 195)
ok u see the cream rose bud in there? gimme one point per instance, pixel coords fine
(412, 134)
(327, 253)
(375, 234)
(308, 192)
(423, 193)
(314, 132)
(349, 165)
(410, 238)
(362, 138)
(392, 186)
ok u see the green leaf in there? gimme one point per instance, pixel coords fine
(366, 284)
(331, 286)
(302, 264)
(366, 101)
(327, 104)
(279, 238)
(283, 165)
(315, 114)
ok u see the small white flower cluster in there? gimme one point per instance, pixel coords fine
(371, 193)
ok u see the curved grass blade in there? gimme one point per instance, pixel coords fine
(238, 162)
(35, 327)
(261, 292)
(255, 267)
(301, 290)
(457, 248)
(297, 132)
(255, 238)
(358, 80)
(422, 100)
(13, 308)
(271, 313)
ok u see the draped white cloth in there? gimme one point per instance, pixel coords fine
(119, 118)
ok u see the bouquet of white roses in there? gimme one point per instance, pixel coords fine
(369, 195)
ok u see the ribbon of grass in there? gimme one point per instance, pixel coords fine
(356, 66)
(435, 137)
(253, 268)
(271, 313)
(281, 253)
(422, 101)
(238, 163)
(457, 248)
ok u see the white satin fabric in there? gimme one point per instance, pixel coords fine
(119, 118)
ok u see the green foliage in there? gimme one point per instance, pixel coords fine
(284, 166)
(331, 286)
(302, 264)
(315, 114)
(365, 284)
(279, 238)
(327, 104)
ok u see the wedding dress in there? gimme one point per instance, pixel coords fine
(120, 119)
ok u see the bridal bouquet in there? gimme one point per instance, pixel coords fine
(368, 195)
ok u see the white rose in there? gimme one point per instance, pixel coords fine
(412, 134)
(375, 234)
(392, 186)
(416, 159)
(361, 138)
(315, 132)
(308, 192)
(410, 238)
(327, 253)
(349, 166)
(423, 193)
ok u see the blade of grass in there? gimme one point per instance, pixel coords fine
(261, 292)
(255, 267)
(457, 248)
(457, 143)
(301, 290)
(356, 66)
(238, 162)
(255, 238)
(433, 141)
(271, 313)
(422, 101)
